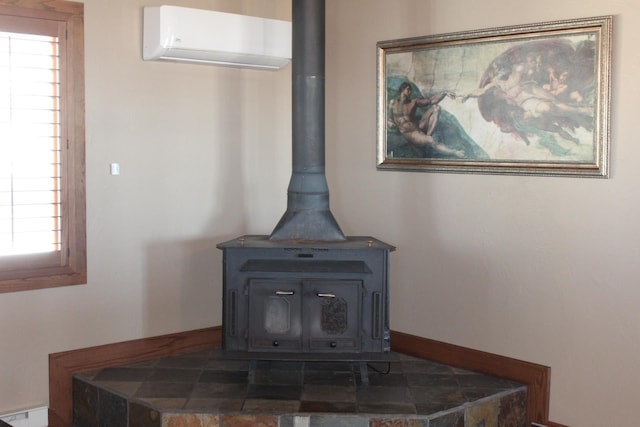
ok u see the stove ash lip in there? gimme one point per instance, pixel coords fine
(304, 246)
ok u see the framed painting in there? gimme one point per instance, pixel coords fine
(528, 99)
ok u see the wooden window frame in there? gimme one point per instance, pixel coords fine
(21, 272)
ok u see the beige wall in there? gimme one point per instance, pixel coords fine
(190, 140)
(538, 268)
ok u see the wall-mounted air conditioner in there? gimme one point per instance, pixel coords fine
(175, 33)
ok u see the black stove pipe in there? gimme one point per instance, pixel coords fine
(308, 217)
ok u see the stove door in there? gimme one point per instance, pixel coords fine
(274, 315)
(332, 310)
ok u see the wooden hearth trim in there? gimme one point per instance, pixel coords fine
(63, 365)
(536, 377)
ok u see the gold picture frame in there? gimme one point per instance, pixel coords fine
(526, 100)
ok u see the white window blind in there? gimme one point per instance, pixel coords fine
(30, 144)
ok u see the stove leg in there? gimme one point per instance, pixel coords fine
(253, 365)
(364, 373)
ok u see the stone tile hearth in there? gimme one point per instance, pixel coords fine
(205, 389)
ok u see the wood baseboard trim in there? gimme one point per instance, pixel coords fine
(63, 365)
(536, 377)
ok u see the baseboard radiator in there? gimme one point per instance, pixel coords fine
(36, 417)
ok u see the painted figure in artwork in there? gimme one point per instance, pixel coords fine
(539, 87)
(415, 128)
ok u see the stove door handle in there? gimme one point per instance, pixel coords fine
(284, 293)
(325, 295)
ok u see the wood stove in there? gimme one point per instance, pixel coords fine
(315, 300)
(306, 291)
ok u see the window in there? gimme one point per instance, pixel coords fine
(42, 193)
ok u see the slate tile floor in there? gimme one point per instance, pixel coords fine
(205, 389)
